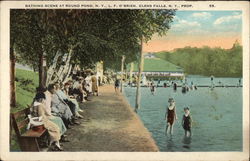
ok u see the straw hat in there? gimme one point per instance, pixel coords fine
(88, 70)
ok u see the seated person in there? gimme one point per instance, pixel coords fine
(66, 90)
(60, 108)
(78, 89)
(88, 84)
(55, 132)
(72, 105)
(47, 108)
(70, 92)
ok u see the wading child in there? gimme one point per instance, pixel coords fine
(187, 122)
(170, 116)
(152, 89)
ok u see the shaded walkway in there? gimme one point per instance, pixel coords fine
(109, 124)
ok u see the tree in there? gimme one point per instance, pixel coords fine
(88, 36)
(208, 61)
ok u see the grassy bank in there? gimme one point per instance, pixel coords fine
(26, 83)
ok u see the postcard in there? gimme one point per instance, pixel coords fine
(124, 80)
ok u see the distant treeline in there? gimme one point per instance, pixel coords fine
(207, 61)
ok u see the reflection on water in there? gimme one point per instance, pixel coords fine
(214, 94)
(170, 143)
(216, 115)
(186, 142)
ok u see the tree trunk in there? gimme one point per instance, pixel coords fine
(40, 69)
(51, 70)
(140, 66)
(122, 66)
(66, 78)
(10, 130)
(130, 72)
(44, 74)
(12, 78)
(65, 68)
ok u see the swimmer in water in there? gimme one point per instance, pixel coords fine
(212, 82)
(175, 86)
(187, 122)
(152, 89)
(239, 82)
(170, 116)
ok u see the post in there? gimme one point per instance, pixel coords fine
(140, 66)
(40, 68)
(130, 72)
(12, 78)
(122, 66)
(44, 69)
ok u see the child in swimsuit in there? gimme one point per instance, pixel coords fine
(152, 89)
(187, 122)
(170, 116)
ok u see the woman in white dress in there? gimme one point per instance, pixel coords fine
(38, 110)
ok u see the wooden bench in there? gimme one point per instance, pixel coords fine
(28, 139)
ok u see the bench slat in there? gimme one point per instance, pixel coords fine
(22, 123)
(32, 133)
(20, 113)
(27, 139)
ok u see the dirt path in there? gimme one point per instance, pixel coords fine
(109, 124)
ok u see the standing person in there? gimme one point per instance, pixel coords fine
(184, 89)
(152, 88)
(170, 116)
(158, 83)
(192, 85)
(239, 82)
(175, 86)
(187, 122)
(94, 84)
(212, 81)
(117, 85)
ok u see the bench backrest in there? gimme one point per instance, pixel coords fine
(20, 121)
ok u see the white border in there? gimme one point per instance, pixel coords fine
(4, 86)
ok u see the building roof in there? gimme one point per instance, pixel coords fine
(149, 55)
(157, 65)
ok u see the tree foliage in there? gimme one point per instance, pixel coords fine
(207, 61)
(91, 35)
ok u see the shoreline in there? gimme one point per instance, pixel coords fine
(109, 125)
(138, 118)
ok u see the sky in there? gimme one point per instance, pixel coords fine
(199, 28)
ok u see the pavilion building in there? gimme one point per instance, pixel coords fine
(154, 67)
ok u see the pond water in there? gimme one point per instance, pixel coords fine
(216, 114)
